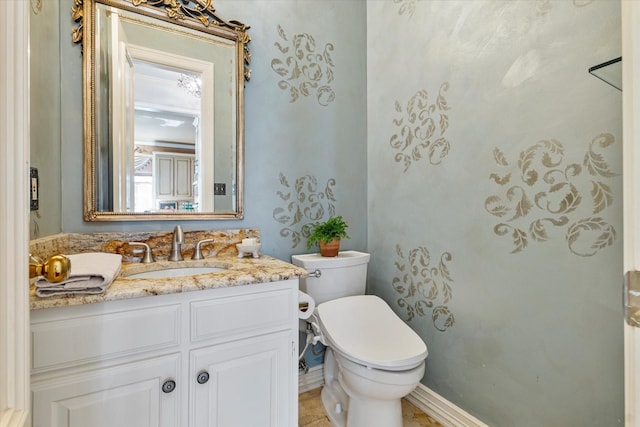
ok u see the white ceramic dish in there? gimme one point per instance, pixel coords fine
(253, 250)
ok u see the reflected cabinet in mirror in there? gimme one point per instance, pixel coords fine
(163, 109)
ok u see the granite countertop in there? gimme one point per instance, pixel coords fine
(237, 272)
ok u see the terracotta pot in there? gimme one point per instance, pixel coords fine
(330, 249)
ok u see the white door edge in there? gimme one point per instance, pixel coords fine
(630, 11)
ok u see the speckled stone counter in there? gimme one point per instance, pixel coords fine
(222, 253)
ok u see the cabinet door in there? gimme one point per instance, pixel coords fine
(163, 176)
(183, 169)
(129, 395)
(249, 383)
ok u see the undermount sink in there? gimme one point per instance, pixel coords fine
(174, 272)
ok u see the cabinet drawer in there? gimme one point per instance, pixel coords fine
(241, 316)
(88, 338)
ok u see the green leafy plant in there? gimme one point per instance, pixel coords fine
(325, 232)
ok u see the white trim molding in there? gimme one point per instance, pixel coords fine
(311, 380)
(14, 214)
(631, 199)
(441, 410)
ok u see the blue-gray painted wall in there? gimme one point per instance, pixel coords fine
(496, 233)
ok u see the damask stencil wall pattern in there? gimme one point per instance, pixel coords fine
(421, 129)
(423, 286)
(406, 6)
(542, 7)
(544, 194)
(306, 204)
(304, 70)
(514, 75)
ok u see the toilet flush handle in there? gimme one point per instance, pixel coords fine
(315, 273)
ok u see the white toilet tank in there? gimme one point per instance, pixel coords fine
(340, 276)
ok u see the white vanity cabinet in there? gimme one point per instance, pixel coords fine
(124, 395)
(239, 383)
(223, 357)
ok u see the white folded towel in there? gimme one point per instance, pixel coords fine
(91, 273)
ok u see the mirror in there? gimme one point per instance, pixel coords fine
(163, 110)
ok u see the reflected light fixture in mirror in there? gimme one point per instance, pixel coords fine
(163, 110)
(191, 84)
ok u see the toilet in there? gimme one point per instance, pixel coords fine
(373, 359)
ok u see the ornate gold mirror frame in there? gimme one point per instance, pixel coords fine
(226, 44)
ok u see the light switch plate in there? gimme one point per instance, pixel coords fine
(219, 189)
(34, 190)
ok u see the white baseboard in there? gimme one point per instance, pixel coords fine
(441, 410)
(311, 380)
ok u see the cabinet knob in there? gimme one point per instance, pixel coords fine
(168, 386)
(203, 377)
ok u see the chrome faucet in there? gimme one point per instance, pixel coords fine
(176, 244)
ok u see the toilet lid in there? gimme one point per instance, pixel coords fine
(363, 328)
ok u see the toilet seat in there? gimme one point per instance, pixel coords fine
(364, 329)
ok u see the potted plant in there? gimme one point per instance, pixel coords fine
(327, 235)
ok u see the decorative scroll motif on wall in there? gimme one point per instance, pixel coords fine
(36, 6)
(542, 6)
(421, 129)
(543, 196)
(406, 6)
(306, 205)
(545, 6)
(424, 287)
(304, 70)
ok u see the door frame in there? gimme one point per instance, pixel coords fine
(15, 393)
(630, 13)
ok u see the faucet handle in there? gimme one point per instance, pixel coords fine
(148, 256)
(197, 253)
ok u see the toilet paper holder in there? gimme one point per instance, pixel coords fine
(306, 305)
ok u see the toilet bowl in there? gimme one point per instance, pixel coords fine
(373, 358)
(377, 360)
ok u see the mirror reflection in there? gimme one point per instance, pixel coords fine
(165, 106)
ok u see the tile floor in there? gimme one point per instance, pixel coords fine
(311, 413)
